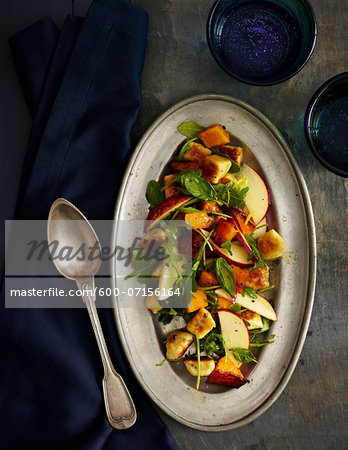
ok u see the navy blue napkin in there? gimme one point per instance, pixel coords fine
(82, 86)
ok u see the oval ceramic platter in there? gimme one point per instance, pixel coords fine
(215, 408)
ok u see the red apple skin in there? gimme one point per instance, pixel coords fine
(161, 211)
(219, 251)
(243, 242)
(226, 379)
(257, 216)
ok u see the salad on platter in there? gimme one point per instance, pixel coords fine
(218, 261)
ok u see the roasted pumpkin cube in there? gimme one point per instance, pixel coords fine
(214, 168)
(177, 343)
(223, 302)
(207, 365)
(257, 278)
(198, 220)
(224, 231)
(178, 166)
(253, 319)
(207, 279)
(198, 301)
(244, 223)
(211, 206)
(240, 276)
(201, 323)
(172, 190)
(196, 152)
(214, 136)
(227, 373)
(235, 153)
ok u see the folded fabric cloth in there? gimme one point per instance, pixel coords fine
(83, 88)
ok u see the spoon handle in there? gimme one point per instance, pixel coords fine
(120, 409)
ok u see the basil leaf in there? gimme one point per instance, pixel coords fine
(243, 355)
(225, 276)
(184, 172)
(154, 194)
(198, 187)
(190, 129)
(234, 166)
(250, 291)
(235, 308)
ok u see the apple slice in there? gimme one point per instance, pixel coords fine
(161, 211)
(236, 255)
(261, 229)
(244, 243)
(259, 305)
(234, 331)
(257, 198)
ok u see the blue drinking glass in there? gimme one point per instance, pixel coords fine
(326, 124)
(261, 42)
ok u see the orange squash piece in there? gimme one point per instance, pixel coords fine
(207, 279)
(198, 301)
(240, 218)
(214, 136)
(223, 302)
(211, 206)
(198, 220)
(227, 373)
(240, 276)
(224, 231)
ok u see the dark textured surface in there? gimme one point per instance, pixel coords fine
(312, 411)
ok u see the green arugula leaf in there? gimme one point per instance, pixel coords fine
(243, 355)
(166, 316)
(198, 349)
(255, 252)
(213, 343)
(231, 194)
(272, 286)
(184, 148)
(154, 194)
(225, 276)
(190, 129)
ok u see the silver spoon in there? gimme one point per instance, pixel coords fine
(69, 227)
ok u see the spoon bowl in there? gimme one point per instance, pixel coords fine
(77, 246)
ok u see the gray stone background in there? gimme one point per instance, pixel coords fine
(312, 411)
